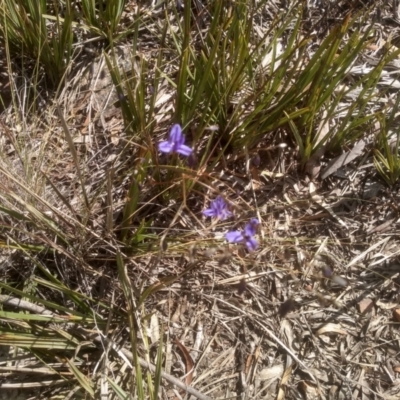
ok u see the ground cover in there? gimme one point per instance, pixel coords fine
(199, 200)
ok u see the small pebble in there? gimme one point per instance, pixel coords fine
(396, 314)
(364, 306)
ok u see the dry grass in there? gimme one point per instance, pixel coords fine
(314, 313)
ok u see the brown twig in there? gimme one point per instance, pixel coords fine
(143, 363)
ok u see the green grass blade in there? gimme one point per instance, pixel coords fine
(84, 382)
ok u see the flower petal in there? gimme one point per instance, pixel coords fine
(219, 201)
(209, 212)
(251, 227)
(183, 149)
(165, 147)
(251, 244)
(225, 214)
(220, 207)
(234, 237)
(175, 135)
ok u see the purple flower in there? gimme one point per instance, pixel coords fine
(218, 209)
(174, 144)
(247, 236)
